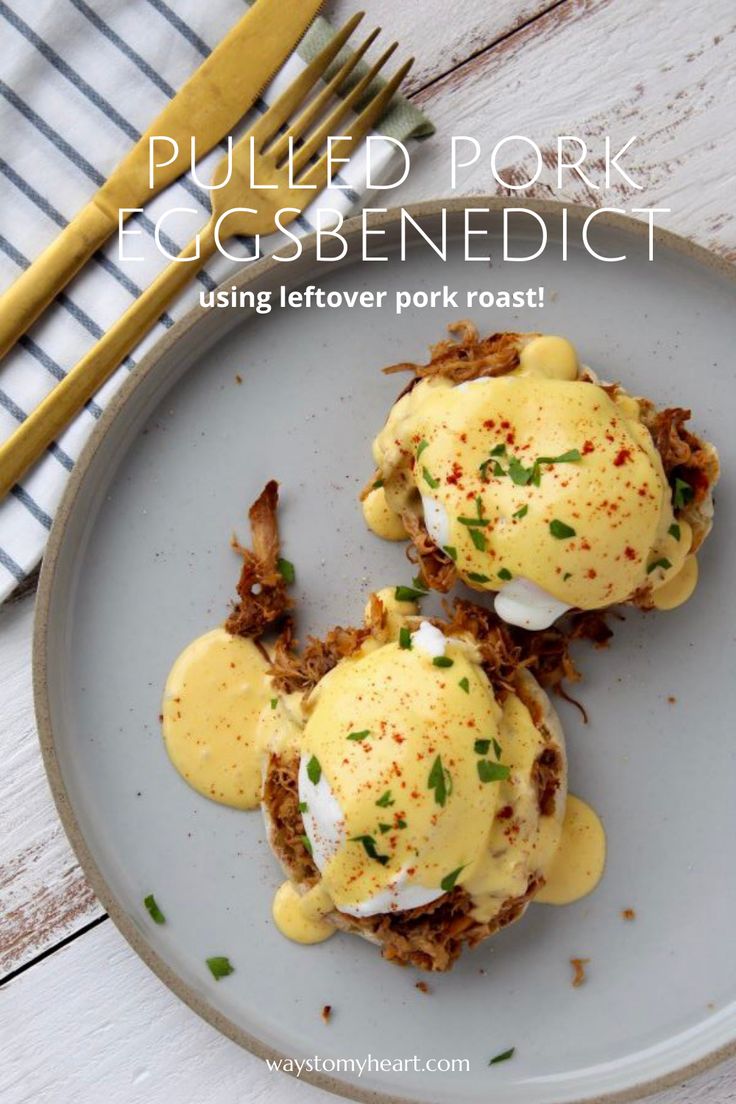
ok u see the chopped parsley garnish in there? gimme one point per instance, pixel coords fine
(404, 637)
(464, 684)
(409, 594)
(377, 483)
(307, 843)
(521, 512)
(450, 550)
(369, 846)
(384, 828)
(682, 494)
(477, 578)
(303, 807)
(443, 661)
(440, 781)
(570, 457)
(519, 474)
(430, 479)
(478, 538)
(492, 772)
(314, 770)
(478, 523)
(496, 748)
(385, 800)
(675, 531)
(286, 570)
(448, 882)
(421, 447)
(502, 1057)
(505, 574)
(220, 967)
(664, 563)
(154, 911)
(274, 702)
(560, 529)
(498, 450)
(481, 747)
(566, 576)
(400, 823)
(479, 505)
(359, 735)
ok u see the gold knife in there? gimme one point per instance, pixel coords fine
(207, 107)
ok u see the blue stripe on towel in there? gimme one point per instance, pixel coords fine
(10, 565)
(31, 505)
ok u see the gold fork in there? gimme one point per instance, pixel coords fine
(263, 155)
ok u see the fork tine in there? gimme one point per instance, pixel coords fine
(316, 174)
(330, 125)
(314, 110)
(296, 93)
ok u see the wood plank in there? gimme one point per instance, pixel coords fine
(43, 894)
(92, 1022)
(664, 71)
(439, 37)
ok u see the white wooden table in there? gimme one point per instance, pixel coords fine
(81, 1018)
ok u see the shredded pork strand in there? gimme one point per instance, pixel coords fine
(262, 597)
(546, 652)
(684, 455)
(291, 671)
(436, 568)
(466, 356)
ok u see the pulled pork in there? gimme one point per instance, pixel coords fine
(432, 937)
(546, 652)
(286, 829)
(465, 356)
(503, 648)
(261, 588)
(291, 671)
(437, 569)
(684, 455)
(547, 777)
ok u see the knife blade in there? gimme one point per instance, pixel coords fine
(206, 108)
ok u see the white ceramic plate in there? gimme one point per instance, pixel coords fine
(139, 564)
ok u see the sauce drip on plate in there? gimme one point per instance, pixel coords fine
(578, 864)
(212, 703)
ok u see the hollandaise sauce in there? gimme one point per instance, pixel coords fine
(578, 862)
(301, 916)
(213, 699)
(380, 518)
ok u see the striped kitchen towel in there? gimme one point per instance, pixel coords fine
(80, 80)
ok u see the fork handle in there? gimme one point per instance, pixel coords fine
(42, 281)
(57, 409)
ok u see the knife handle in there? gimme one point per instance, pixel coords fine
(42, 281)
(54, 413)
